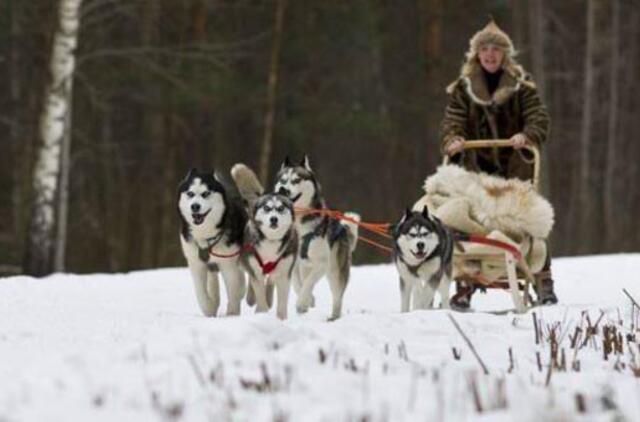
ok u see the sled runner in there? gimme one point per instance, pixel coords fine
(500, 224)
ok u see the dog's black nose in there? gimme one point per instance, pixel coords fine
(273, 221)
(195, 207)
(284, 191)
(420, 246)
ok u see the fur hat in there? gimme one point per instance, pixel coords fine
(490, 34)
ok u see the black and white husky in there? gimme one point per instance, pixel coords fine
(271, 242)
(326, 244)
(213, 224)
(423, 251)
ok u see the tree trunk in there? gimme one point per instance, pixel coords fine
(537, 42)
(267, 141)
(63, 192)
(15, 132)
(611, 175)
(54, 132)
(519, 21)
(433, 16)
(584, 175)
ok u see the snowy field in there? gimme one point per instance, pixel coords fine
(135, 347)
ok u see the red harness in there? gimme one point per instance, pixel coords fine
(267, 267)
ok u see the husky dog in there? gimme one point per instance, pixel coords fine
(271, 242)
(423, 251)
(326, 245)
(212, 234)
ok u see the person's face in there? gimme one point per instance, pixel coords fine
(490, 57)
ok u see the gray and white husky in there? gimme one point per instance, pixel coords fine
(326, 244)
(213, 223)
(271, 242)
(423, 252)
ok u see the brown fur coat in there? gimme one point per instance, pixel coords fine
(514, 107)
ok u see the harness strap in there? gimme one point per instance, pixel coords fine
(231, 255)
(267, 267)
(211, 243)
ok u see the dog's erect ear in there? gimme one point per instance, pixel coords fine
(215, 176)
(405, 216)
(394, 229)
(425, 212)
(286, 163)
(305, 162)
(190, 175)
(407, 213)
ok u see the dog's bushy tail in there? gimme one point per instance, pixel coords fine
(352, 229)
(247, 182)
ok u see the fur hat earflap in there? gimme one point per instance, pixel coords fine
(490, 34)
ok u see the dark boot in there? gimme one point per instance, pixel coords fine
(544, 283)
(461, 301)
(544, 288)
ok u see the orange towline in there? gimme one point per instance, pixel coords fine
(381, 229)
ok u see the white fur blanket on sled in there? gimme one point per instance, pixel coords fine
(479, 203)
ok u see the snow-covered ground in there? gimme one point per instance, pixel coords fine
(135, 347)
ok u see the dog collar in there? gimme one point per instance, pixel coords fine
(204, 253)
(213, 241)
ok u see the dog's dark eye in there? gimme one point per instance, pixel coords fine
(190, 194)
(206, 194)
(266, 208)
(280, 209)
(295, 181)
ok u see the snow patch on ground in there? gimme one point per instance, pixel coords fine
(135, 347)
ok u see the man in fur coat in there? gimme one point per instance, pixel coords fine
(494, 98)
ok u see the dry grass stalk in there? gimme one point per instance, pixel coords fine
(511, 363)
(466, 339)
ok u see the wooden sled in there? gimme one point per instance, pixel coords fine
(496, 263)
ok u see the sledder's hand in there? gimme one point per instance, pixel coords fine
(518, 140)
(455, 146)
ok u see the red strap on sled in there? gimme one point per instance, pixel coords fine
(474, 238)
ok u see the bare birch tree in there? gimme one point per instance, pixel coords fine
(55, 134)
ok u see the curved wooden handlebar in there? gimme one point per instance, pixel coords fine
(504, 143)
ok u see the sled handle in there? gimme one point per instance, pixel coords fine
(505, 143)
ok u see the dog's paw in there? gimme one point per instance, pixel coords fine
(210, 313)
(208, 308)
(302, 306)
(251, 296)
(233, 311)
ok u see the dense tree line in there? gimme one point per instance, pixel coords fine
(163, 85)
